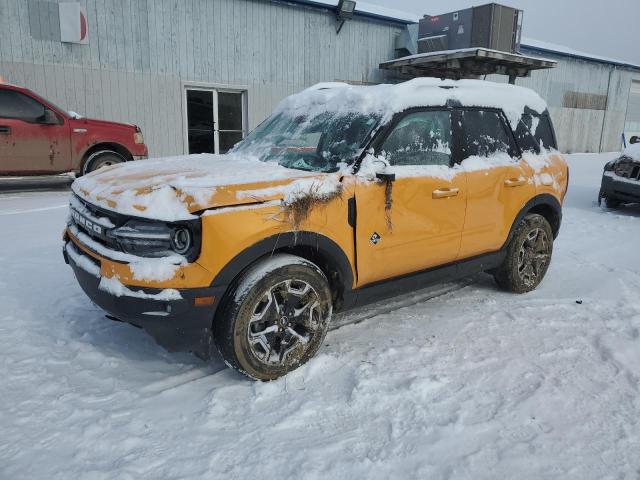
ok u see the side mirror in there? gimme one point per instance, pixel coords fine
(49, 117)
(386, 177)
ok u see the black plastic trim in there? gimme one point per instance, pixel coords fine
(288, 241)
(184, 327)
(544, 199)
(414, 281)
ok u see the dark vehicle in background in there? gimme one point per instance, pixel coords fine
(37, 137)
(621, 178)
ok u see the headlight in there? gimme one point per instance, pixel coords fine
(157, 239)
(138, 137)
(181, 240)
(610, 165)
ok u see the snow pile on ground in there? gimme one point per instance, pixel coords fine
(474, 383)
(386, 100)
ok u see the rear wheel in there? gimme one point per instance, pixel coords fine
(275, 317)
(101, 159)
(528, 255)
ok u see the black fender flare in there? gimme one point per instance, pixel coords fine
(290, 241)
(544, 200)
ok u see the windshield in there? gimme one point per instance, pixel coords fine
(319, 143)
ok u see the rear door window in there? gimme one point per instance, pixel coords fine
(19, 106)
(484, 133)
(420, 138)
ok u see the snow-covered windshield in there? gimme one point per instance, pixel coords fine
(320, 143)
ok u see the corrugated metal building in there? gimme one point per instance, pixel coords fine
(592, 100)
(176, 66)
(145, 56)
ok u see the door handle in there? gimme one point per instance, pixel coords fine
(4, 129)
(445, 192)
(515, 182)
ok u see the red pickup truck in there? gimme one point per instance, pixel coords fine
(37, 137)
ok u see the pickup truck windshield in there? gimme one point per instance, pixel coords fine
(320, 143)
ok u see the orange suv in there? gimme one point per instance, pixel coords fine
(345, 194)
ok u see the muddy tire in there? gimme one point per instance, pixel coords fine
(274, 318)
(528, 255)
(101, 159)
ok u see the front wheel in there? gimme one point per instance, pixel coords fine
(528, 255)
(98, 160)
(275, 317)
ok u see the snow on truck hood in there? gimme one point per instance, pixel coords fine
(173, 188)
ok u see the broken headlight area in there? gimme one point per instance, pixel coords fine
(625, 167)
(158, 239)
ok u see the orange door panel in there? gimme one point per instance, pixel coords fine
(552, 177)
(422, 229)
(495, 197)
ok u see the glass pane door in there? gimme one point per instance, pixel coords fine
(215, 120)
(200, 121)
(230, 124)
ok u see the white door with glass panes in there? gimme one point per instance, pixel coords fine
(215, 119)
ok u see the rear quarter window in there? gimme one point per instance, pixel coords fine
(544, 133)
(535, 130)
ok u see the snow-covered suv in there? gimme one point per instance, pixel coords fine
(345, 194)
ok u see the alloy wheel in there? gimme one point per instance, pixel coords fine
(534, 256)
(284, 322)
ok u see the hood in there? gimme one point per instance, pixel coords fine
(94, 122)
(174, 188)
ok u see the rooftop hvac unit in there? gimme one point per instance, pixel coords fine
(491, 26)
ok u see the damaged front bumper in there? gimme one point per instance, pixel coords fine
(178, 320)
(619, 188)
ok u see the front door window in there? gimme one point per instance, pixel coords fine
(215, 120)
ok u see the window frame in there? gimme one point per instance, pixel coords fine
(515, 152)
(381, 136)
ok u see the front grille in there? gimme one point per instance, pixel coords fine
(95, 222)
(628, 169)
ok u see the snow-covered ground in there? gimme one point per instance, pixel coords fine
(461, 381)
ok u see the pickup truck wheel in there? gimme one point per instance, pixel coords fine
(101, 159)
(528, 255)
(275, 317)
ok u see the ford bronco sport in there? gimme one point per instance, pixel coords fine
(345, 194)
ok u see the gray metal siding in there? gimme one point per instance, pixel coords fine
(142, 52)
(582, 129)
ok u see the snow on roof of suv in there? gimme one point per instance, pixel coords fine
(386, 100)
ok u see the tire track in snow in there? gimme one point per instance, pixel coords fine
(351, 317)
(367, 312)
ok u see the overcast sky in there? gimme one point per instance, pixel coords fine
(602, 27)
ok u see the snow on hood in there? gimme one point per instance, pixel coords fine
(632, 151)
(386, 100)
(173, 188)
